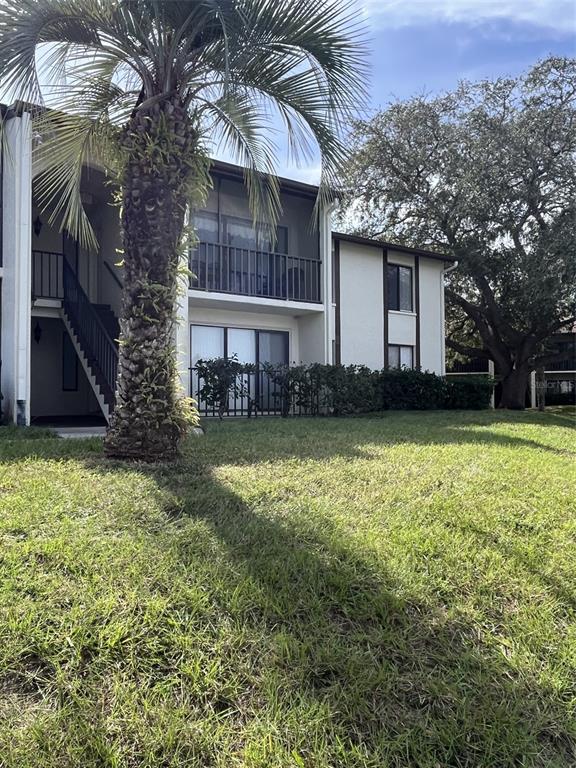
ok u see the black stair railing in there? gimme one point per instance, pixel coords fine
(97, 345)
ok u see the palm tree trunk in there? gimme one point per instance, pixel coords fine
(147, 422)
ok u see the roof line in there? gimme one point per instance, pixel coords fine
(359, 240)
(222, 168)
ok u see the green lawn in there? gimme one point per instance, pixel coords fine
(395, 591)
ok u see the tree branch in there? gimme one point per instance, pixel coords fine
(462, 349)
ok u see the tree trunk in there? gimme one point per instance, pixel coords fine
(148, 421)
(514, 387)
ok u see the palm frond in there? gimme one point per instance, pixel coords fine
(237, 65)
(71, 140)
(238, 125)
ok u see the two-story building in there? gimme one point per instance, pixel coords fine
(307, 294)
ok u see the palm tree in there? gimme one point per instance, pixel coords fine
(145, 88)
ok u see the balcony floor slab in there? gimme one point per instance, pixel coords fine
(215, 300)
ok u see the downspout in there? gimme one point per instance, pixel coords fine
(325, 224)
(443, 315)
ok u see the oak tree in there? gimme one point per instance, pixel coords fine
(487, 174)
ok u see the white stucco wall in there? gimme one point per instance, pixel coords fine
(432, 316)
(361, 305)
(402, 328)
(16, 242)
(47, 395)
(251, 320)
(398, 257)
(311, 334)
(361, 308)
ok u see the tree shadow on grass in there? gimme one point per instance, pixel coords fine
(351, 668)
(352, 437)
(564, 589)
(325, 437)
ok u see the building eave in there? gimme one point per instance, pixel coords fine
(236, 173)
(359, 240)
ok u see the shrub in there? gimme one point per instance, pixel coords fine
(220, 380)
(338, 390)
(406, 389)
(469, 393)
(293, 388)
(560, 398)
(343, 390)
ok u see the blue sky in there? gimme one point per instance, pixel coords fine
(427, 46)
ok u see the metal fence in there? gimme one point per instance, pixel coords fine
(254, 391)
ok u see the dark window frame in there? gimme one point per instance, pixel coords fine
(257, 331)
(222, 220)
(400, 347)
(394, 298)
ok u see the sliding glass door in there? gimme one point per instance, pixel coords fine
(256, 389)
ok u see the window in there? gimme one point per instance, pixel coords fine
(69, 365)
(207, 342)
(265, 241)
(241, 343)
(249, 346)
(273, 347)
(400, 356)
(206, 225)
(399, 288)
(239, 233)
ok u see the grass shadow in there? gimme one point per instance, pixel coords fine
(335, 658)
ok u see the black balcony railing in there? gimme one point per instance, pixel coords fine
(567, 364)
(47, 279)
(227, 269)
(476, 365)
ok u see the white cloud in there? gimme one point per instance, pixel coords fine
(307, 174)
(554, 15)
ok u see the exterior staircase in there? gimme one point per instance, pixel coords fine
(94, 330)
(109, 321)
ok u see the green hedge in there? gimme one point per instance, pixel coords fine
(356, 389)
(340, 390)
(470, 393)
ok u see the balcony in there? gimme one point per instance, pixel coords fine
(476, 365)
(568, 364)
(246, 272)
(47, 279)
